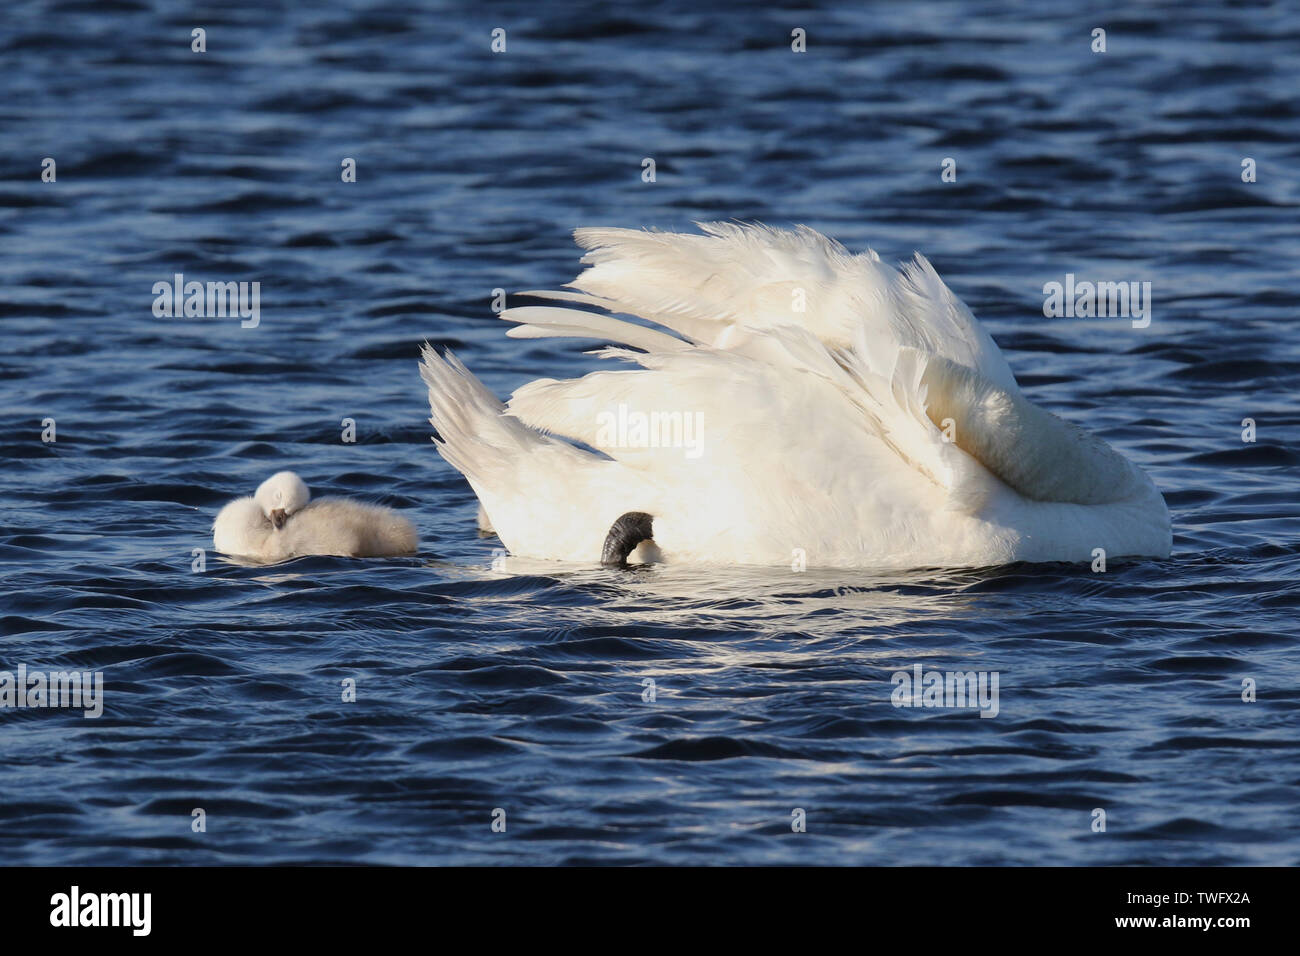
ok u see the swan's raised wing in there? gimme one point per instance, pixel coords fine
(927, 380)
(780, 381)
(716, 288)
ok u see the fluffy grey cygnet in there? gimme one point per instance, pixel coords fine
(281, 521)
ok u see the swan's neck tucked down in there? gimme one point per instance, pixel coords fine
(1041, 456)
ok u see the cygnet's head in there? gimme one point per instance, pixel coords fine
(281, 495)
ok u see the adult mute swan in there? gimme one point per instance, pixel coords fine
(797, 402)
(281, 521)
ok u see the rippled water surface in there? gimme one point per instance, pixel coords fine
(521, 688)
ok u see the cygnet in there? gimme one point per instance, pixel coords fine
(281, 521)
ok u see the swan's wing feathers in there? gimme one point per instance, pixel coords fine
(932, 319)
(892, 342)
(724, 287)
(635, 416)
(541, 321)
(895, 404)
(705, 285)
(578, 298)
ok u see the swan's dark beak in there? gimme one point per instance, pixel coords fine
(278, 518)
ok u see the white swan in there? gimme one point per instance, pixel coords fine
(845, 414)
(281, 521)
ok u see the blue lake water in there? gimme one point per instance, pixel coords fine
(522, 689)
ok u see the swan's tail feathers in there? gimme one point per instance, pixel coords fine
(475, 435)
(463, 411)
(496, 452)
(624, 536)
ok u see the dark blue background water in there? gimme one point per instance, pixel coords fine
(480, 689)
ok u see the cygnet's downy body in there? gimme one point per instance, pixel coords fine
(281, 521)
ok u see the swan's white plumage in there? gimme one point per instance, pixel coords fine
(821, 429)
(711, 286)
(247, 527)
